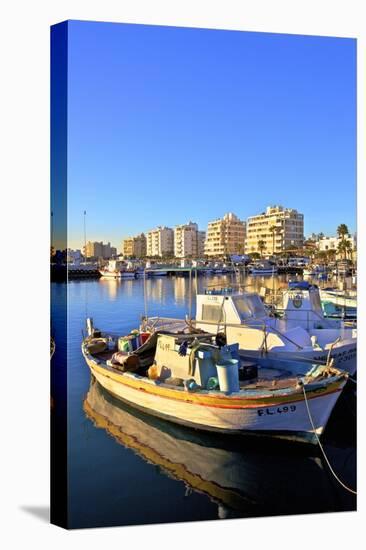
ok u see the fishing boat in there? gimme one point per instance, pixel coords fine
(263, 268)
(157, 272)
(314, 270)
(347, 314)
(188, 377)
(297, 330)
(117, 270)
(219, 269)
(237, 478)
(341, 298)
(343, 268)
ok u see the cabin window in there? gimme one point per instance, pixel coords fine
(242, 308)
(250, 306)
(212, 313)
(315, 301)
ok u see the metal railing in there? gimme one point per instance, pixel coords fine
(221, 326)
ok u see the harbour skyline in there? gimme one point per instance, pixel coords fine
(119, 242)
(198, 122)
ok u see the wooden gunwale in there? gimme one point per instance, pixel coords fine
(273, 398)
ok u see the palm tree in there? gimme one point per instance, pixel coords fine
(261, 247)
(342, 231)
(348, 248)
(345, 247)
(275, 231)
(341, 249)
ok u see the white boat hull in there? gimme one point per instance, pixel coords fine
(117, 274)
(289, 416)
(110, 274)
(158, 273)
(263, 272)
(339, 299)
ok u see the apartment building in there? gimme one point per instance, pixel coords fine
(188, 241)
(274, 231)
(201, 237)
(225, 236)
(99, 250)
(134, 246)
(331, 243)
(160, 242)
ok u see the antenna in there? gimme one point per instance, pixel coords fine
(145, 297)
(190, 294)
(86, 286)
(84, 235)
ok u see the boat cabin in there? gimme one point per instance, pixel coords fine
(192, 357)
(302, 304)
(226, 306)
(114, 265)
(301, 307)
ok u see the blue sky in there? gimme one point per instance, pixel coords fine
(173, 124)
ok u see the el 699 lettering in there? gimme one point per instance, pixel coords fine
(278, 410)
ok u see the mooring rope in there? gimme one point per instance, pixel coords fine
(321, 446)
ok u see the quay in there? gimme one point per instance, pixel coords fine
(59, 272)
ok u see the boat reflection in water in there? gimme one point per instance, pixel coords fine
(244, 476)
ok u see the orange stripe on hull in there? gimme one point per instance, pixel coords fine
(218, 402)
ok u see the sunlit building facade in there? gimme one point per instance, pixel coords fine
(225, 236)
(274, 231)
(160, 242)
(99, 250)
(134, 246)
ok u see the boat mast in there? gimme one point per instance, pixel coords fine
(145, 297)
(85, 236)
(190, 294)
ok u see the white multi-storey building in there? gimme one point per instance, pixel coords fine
(331, 243)
(160, 242)
(225, 236)
(201, 237)
(274, 231)
(188, 240)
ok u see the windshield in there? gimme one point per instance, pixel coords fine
(249, 306)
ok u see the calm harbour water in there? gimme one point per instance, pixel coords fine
(129, 468)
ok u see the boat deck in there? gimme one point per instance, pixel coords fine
(267, 378)
(270, 379)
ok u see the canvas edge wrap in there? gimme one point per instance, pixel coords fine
(59, 88)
